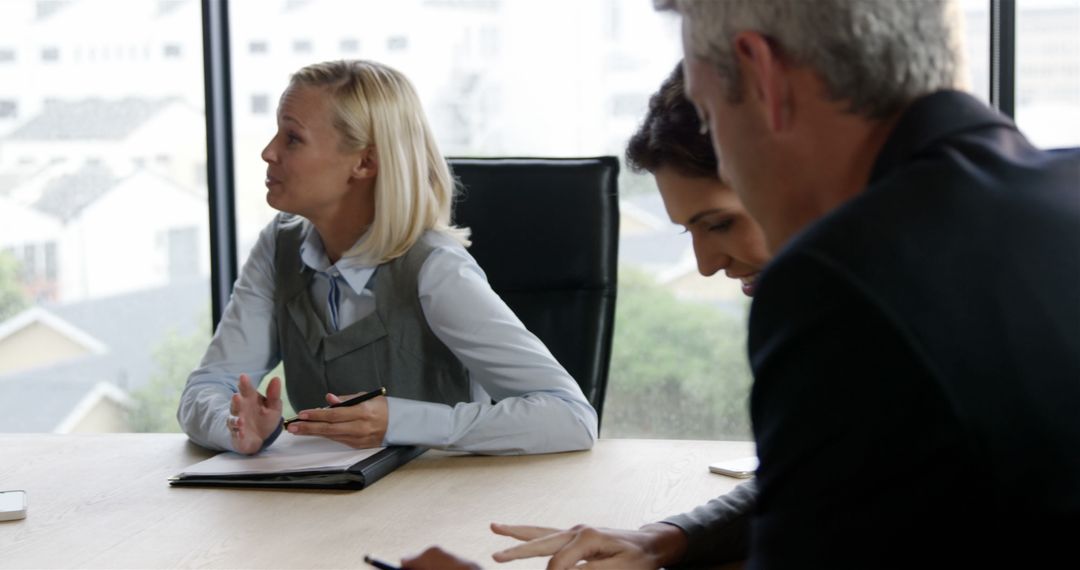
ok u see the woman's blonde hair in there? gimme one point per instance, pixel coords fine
(376, 105)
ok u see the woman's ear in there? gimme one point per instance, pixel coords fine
(367, 164)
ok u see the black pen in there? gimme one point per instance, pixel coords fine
(350, 402)
(379, 563)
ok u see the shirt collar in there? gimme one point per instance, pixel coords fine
(353, 270)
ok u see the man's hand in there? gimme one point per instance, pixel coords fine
(435, 558)
(252, 416)
(359, 426)
(653, 546)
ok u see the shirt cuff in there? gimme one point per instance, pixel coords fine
(718, 531)
(412, 422)
(218, 436)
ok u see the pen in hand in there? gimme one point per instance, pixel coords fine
(379, 563)
(350, 402)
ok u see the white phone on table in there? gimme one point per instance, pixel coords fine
(741, 468)
(12, 505)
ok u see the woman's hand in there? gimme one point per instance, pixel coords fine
(359, 426)
(252, 416)
(653, 546)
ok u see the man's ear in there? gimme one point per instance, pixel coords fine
(765, 74)
(367, 165)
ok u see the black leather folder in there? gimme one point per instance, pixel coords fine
(355, 477)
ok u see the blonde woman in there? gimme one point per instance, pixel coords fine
(361, 281)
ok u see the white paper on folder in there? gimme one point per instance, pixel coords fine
(290, 453)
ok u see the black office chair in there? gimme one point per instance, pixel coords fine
(546, 232)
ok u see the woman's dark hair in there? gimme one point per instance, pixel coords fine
(670, 136)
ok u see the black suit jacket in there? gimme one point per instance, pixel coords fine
(916, 356)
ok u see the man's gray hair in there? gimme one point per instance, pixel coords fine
(878, 55)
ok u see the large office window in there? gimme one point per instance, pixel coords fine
(1048, 71)
(104, 254)
(104, 257)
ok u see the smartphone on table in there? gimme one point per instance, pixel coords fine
(12, 505)
(741, 468)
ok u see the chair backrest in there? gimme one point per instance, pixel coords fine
(546, 232)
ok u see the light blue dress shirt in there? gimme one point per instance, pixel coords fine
(539, 409)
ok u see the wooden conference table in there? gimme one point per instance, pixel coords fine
(102, 501)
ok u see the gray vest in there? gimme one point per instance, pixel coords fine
(392, 347)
